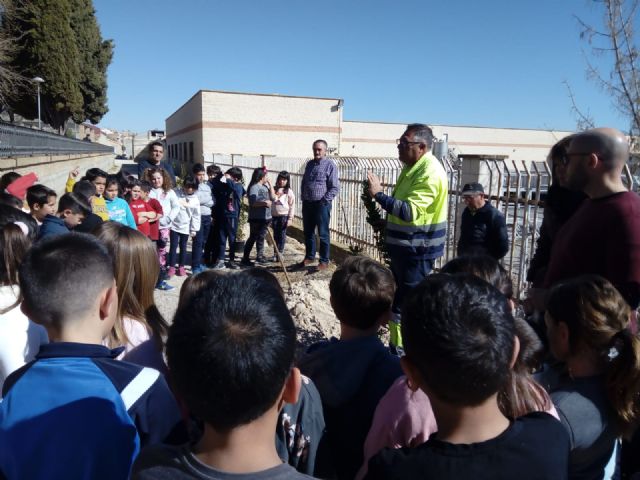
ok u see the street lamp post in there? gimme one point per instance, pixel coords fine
(38, 81)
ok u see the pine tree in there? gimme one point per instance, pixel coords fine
(47, 48)
(95, 57)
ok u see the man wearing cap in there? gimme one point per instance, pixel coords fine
(483, 230)
(416, 216)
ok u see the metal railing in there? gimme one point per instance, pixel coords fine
(22, 142)
(516, 188)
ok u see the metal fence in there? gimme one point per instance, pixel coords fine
(515, 188)
(21, 142)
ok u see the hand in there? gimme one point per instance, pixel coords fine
(142, 220)
(374, 184)
(193, 234)
(73, 174)
(267, 203)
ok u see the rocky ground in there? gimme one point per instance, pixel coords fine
(307, 298)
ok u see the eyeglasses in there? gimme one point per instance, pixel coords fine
(404, 143)
(566, 158)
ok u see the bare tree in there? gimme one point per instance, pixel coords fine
(616, 39)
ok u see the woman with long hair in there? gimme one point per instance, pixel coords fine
(139, 327)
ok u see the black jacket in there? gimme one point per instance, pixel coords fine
(483, 232)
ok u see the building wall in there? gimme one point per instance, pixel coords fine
(255, 124)
(184, 143)
(368, 139)
(285, 126)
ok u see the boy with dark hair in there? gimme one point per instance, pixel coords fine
(228, 192)
(73, 208)
(460, 345)
(214, 173)
(42, 202)
(230, 351)
(76, 412)
(353, 373)
(98, 177)
(205, 198)
(91, 221)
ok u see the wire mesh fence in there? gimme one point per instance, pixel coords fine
(516, 188)
(20, 142)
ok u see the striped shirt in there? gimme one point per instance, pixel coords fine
(320, 180)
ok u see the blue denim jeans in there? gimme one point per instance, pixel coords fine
(316, 215)
(199, 239)
(257, 233)
(279, 225)
(177, 239)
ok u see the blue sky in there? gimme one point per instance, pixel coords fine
(455, 62)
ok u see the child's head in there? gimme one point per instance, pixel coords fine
(42, 201)
(158, 178)
(283, 180)
(257, 176)
(459, 338)
(231, 349)
(189, 185)
(66, 280)
(213, 171)
(136, 271)
(7, 179)
(98, 177)
(112, 189)
(136, 189)
(194, 284)
(235, 173)
(17, 231)
(73, 208)
(199, 173)
(362, 292)
(266, 276)
(587, 321)
(85, 188)
(145, 189)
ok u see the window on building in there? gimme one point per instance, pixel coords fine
(191, 152)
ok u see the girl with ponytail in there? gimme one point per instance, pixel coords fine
(595, 387)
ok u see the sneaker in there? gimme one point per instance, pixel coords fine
(181, 271)
(164, 286)
(245, 262)
(262, 260)
(233, 265)
(219, 265)
(196, 270)
(301, 265)
(171, 271)
(274, 259)
(322, 266)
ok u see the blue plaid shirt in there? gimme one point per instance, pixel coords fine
(320, 180)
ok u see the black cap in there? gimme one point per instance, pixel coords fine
(472, 189)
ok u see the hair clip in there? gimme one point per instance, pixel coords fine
(23, 227)
(613, 353)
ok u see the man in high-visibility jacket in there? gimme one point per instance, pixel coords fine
(416, 215)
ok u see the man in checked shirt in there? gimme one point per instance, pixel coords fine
(320, 185)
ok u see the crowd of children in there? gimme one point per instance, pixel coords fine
(96, 383)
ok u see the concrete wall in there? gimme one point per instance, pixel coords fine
(53, 171)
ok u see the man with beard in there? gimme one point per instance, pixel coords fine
(603, 236)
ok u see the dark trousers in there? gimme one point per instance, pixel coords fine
(227, 230)
(257, 234)
(177, 239)
(279, 225)
(316, 215)
(211, 242)
(199, 239)
(408, 272)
